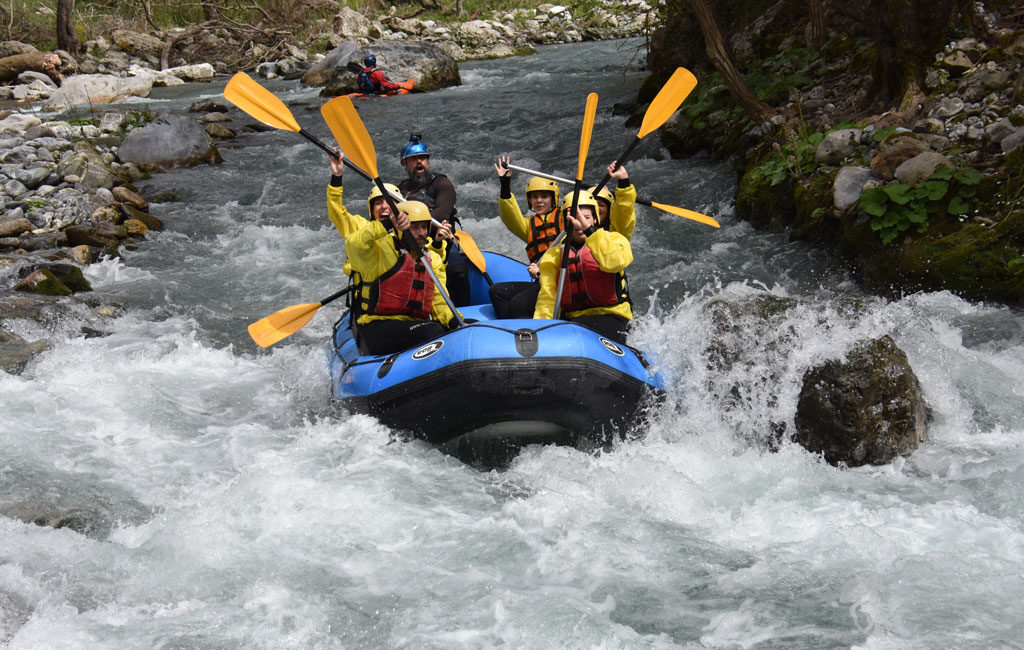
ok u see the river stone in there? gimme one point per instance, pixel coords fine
(14, 227)
(32, 177)
(194, 72)
(44, 283)
(90, 236)
(15, 354)
(957, 63)
(135, 227)
(208, 106)
(13, 48)
(169, 140)
(895, 151)
(136, 43)
(69, 274)
(18, 124)
(849, 185)
(1013, 141)
(921, 167)
(349, 23)
(837, 145)
(151, 222)
(125, 195)
(80, 255)
(431, 67)
(98, 89)
(865, 410)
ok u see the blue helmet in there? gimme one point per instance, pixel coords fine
(370, 61)
(414, 147)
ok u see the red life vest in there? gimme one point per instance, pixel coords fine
(544, 228)
(405, 289)
(586, 285)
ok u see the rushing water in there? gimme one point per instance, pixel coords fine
(223, 503)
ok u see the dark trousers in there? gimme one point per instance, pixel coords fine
(514, 299)
(387, 335)
(609, 326)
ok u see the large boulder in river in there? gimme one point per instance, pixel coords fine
(429, 66)
(169, 140)
(97, 89)
(867, 409)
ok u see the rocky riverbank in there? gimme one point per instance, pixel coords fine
(924, 197)
(69, 184)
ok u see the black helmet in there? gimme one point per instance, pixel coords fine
(370, 61)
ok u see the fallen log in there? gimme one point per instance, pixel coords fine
(47, 63)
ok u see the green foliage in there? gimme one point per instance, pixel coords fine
(1016, 265)
(898, 207)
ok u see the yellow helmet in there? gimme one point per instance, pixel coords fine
(605, 194)
(416, 210)
(375, 193)
(586, 198)
(538, 184)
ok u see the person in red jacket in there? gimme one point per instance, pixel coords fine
(371, 80)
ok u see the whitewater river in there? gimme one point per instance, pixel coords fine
(223, 502)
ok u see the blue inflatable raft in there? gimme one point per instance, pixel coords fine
(499, 382)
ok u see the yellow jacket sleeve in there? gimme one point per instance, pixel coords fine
(611, 250)
(370, 251)
(550, 264)
(623, 212)
(513, 218)
(343, 220)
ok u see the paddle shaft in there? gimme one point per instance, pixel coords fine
(335, 296)
(618, 163)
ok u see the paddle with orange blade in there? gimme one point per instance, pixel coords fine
(662, 107)
(350, 132)
(589, 113)
(263, 105)
(671, 209)
(282, 324)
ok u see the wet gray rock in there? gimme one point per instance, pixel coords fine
(97, 89)
(921, 167)
(837, 145)
(16, 353)
(69, 274)
(430, 66)
(14, 227)
(169, 140)
(849, 185)
(867, 409)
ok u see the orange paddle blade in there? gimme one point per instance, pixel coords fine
(686, 214)
(350, 132)
(471, 250)
(259, 102)
(667, 101)
(282, 324)
(588, 127)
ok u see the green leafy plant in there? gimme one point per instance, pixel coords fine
(794, 158)
(1016, 265)
(898, 207)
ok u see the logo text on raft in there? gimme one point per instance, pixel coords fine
(427, 350)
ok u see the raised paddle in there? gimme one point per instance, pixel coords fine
(662, 107)
(282, 324)
(589, 113)
(354, 67)
(671, 209)
(263, 105)
(350, 132)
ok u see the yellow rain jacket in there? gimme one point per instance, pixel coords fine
(613, 254)
(519, 225)
(622, 213)
(371, 252)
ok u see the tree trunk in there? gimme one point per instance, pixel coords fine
(816, 18)
(67, 37)
(46, 62)
(907, 34)
(210, 10)
(714, 44)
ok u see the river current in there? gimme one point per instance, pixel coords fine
(224, 503)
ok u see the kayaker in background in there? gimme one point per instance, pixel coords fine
(518, 299)
(438, 192)
(396, 296)
(595, 293)
(618, 209)
(372, 81)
